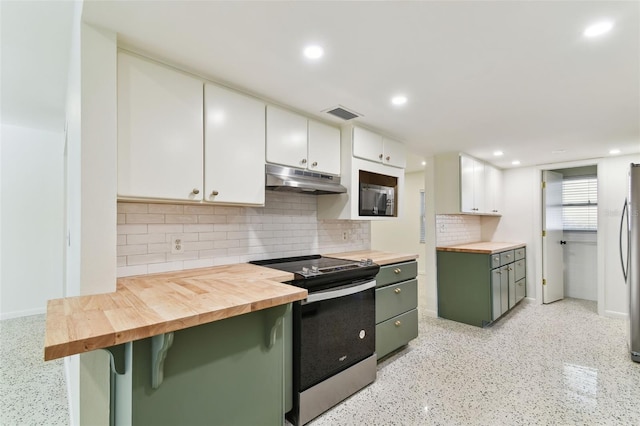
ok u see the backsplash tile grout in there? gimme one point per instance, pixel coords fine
(217, 235)
(457, 229)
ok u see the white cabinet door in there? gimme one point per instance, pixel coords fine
(493, 190)
(286, 138)
(233, 147)
(159, 131)
(367, 145)
(394, 153)
(466, 184)
(472, 186)
(324, 148)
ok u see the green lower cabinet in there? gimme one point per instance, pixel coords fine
(228, 372)
(476, 288)
(396, 307)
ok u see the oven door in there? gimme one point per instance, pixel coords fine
(336, 329)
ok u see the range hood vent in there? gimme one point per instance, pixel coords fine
(343, 113)
(288, 179)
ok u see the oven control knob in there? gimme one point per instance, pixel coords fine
(305, 270)
(369, 262)
(314, 269)
(363, 262)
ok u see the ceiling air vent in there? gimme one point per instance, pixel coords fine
(342, 112)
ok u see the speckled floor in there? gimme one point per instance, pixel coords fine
(558, 364)
(32, 392)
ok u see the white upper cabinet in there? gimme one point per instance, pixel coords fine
(467, 185)
(160, 131)
(234, 140)
(371, 146)
(286, 138)
(324, 148)
(472, 186)
(367, 145)
(493, 189)
(394, 153)
(294, 140)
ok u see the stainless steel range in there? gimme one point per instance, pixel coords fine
(333, 331)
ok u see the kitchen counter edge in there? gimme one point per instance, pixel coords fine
(482, 247)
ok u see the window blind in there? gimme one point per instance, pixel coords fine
(580, 203)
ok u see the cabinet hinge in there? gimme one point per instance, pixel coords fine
(544, 233)
(544, 282)
(544, 184)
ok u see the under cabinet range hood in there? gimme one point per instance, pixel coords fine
(289, 179)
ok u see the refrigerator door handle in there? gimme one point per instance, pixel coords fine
(625, 269)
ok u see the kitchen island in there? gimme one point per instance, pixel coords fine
(479, 282)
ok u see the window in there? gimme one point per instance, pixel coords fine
(580, 203)
(423, 216)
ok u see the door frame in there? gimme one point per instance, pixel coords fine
(537, 229)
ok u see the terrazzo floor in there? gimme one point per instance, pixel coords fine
(558, 364)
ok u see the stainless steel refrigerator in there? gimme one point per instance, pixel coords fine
(631, 268)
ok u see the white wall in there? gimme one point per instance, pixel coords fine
(403, 234)
(32, 217)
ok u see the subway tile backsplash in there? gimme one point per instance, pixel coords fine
(457, 229)
(216, 235)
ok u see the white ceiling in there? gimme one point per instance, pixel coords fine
(480, 75)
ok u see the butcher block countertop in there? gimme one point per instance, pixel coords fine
(380, 257)
(147, 305)
(483, 247)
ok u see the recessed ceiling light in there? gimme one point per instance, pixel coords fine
(424, 163)
(515, 162)
(313, 52)
(598, 29)
(614, 151)
(498, 153)
(399, 100)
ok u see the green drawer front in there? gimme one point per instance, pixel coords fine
(396, 332)
(506, 257)
(397, 272)
(520, 253)
(393, 300)
(495, 260)
(520, 267)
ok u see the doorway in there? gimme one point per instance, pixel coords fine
(569, 237)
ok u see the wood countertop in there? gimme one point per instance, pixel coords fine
(147, 305)
(380, 257)
(482, 247)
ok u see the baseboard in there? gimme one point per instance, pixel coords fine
(25, 313)
(617, 315)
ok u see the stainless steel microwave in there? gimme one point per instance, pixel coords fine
(377, 200)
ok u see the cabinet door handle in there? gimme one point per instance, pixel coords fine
(388, 157)
(214, 193)
(397, 270)
(314, 164)
(397, 291)
(499, 272)
(397, 323)
(195, 191)
(380, 156)
(304, 161)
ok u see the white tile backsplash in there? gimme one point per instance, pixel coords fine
(217, 235)
(457, 229)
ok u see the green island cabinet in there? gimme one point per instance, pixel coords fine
(478, 288)
(228, 372)
(396, 306)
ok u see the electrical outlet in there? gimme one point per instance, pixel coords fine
(345, 235)
(442, 228)
(177, 246)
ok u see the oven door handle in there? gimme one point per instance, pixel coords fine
(334, 294)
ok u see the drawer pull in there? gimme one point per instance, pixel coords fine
(496, 258)
(397, 291)
(508, 256)
(397, 323)
(397, 270)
